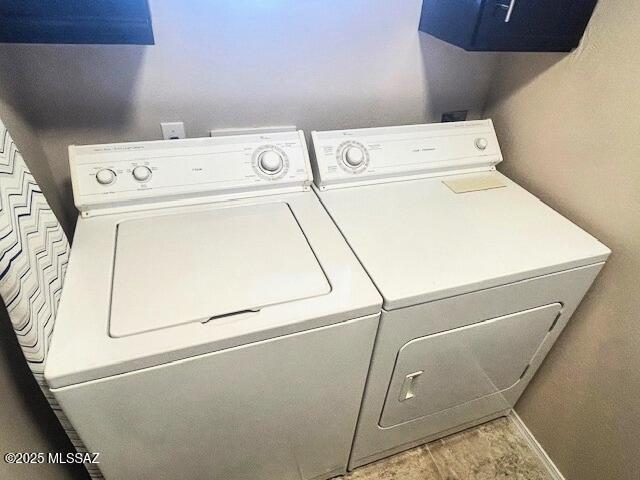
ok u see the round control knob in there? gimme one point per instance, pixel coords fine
(106, 176)
(354, 156)
(141, 174)
(481, 143)
(270, 161)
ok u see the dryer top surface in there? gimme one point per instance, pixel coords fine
(419, 240)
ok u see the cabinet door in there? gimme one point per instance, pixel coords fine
(74, 21)
(441, 371)
(532, 25)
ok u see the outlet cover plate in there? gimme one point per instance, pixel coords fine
(455, 116)
(172, 130)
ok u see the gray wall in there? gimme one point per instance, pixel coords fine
(569, 127)
(27, 423)
(317, 64)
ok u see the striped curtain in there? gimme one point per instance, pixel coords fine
(34, 252)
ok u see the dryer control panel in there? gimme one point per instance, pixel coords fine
(374, 155)
(123, 174)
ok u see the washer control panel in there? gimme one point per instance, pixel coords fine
(373, 155)
(110, 175)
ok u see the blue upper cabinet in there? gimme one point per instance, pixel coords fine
(76, 21)
(508, 25)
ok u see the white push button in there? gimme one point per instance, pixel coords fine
(141, 173)
(105, 176)
(270, 161)
(354, 156)
(481, 143)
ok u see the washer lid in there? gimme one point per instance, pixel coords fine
(175, 269)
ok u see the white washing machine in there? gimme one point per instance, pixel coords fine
(477, 275)
(214, 324)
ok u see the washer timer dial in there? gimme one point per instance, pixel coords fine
(270, 162)
(141, 173)
(106, 176)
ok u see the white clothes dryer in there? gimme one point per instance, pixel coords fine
(478, 276)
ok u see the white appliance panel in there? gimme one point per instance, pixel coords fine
(281, 409)
(241, 259)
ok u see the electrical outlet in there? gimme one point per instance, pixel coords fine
(172, 130)
(456, 116)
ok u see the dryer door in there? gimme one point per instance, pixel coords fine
(440, 371)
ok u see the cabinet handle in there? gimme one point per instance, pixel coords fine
(509, 8)
(406, 392)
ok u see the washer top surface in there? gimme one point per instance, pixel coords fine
(226, 255)
(419, 240)
(174, 269)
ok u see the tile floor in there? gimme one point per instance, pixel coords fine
(494, 450)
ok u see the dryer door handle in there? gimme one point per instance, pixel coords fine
(407, 391)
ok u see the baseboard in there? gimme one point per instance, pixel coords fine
(535, 446)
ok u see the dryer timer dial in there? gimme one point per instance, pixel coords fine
(354, 156)
(481, 143)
